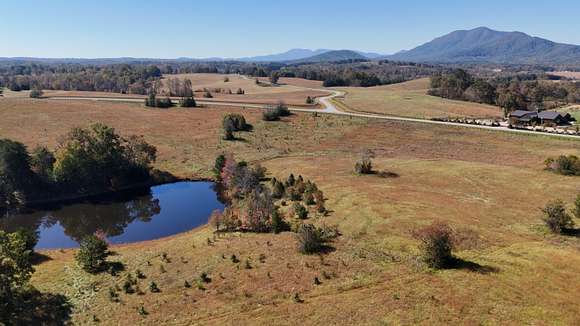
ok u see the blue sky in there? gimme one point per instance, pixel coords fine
(235, 28)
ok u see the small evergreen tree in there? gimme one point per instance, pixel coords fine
(278, 224)
(309, 239)
(279, 190)
(300, 211)
(219, 164)
(92, 254)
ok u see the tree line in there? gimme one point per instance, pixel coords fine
(524, 92)
(86, 161)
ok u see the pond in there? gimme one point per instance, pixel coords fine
(137, 215)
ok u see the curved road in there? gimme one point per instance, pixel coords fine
(330, 108)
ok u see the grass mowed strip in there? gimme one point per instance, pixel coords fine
(410, 99)
(486, 184)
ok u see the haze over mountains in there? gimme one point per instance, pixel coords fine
(479, 45)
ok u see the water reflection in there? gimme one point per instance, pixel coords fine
(127, 217)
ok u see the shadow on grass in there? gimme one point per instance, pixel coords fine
(114, 268)
(458, 263)
(38, 308)
(382, 174)
(571, 233)
(38, 258)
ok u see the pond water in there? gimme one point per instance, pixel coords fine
(145, 214)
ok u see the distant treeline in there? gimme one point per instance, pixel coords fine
(122, 78)
(522, 91)
(140, 78)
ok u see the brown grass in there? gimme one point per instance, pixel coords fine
(254, 93)
(410, 99)
(487, 184)
(566, 74)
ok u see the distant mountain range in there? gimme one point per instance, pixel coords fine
(291, 56)
(479, 45)
(486, 45)
(319, 55)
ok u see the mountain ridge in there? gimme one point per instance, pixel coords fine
(483, 44)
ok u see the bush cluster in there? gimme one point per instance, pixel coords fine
(565, 165)
(274, 113)
(86, 160)
(557, 218)
(233, 122)
(154, 102)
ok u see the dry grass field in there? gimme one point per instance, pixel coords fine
(488, 185)
(265, 94)
(567, 74)
(292, 91)
(410, 99)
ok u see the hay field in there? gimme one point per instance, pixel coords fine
(486, 184)
(410, 99)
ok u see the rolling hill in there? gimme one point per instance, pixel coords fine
(486, 45)
(332, 56)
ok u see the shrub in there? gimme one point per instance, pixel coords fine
(565, 165)
(364, 165)
(153, 287)
(207, 95)
(278, 224)
(309, 239)
(229, 132)
(240, 91)
(282, 109)
(139, 274)
(270, 115)
(36, 93)
(279, 190)
(300, 211)
(309, 199)
(219, 164)
(309, 100)
(236, 121)
(187, 102)
(556, 217)
(291, 180)
(436, 245)
(203, 277)
(319, 197)
(92, 254)
(163, 103)
(274, 113)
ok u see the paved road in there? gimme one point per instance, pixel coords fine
(330, 108)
